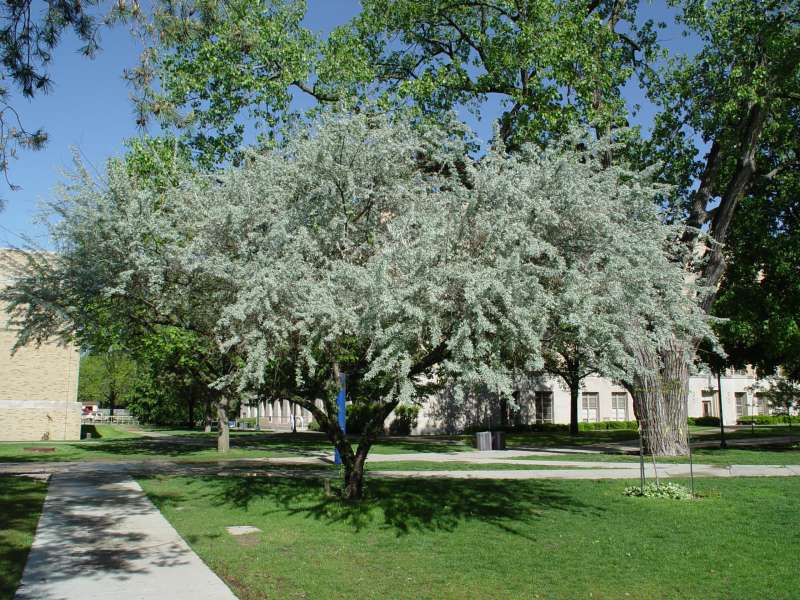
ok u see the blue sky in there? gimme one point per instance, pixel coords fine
(89, 111)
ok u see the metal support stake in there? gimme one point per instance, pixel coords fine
(641, 460)
(691, 463)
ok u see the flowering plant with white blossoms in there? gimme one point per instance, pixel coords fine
(381, 250)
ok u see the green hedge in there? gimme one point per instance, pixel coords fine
(405, 419)
(768, 420)
(603, 425)
(704, 421)
(555, 427)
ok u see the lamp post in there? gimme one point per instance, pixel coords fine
(722, 443)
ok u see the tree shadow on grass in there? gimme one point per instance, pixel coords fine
(189, 444)
(402, 505)
(183, 445)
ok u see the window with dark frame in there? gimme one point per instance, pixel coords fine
(591, 406)
(543, 404)
(619, 406)
(741, 404)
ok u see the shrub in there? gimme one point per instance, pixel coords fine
(313, 425)
(704, 421)
(554, 427)
(767, 420)
(673, 491)
(605, 425)
(358, 414)
(405, 419)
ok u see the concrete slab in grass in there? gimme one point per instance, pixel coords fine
(242, 529)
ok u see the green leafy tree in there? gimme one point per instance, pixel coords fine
(108, 379)
(727, 126)
(71, 300)
(552, 64)
(215, 67)
(726, 116)
(783, 395)
(759, 296)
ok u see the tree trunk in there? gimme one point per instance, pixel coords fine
(354, 473)
(207, 427)
(223, 435)
(660, 395)
(574, 392)
(191, 407)
(112, 401)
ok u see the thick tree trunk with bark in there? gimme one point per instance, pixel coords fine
(661, 399)
(354, 472)
(574, 393)
(223, 435)
(660, 396)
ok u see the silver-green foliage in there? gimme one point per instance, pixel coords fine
(374, 244)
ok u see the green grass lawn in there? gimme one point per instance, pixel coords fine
(117, 443)
(769, 455)
(120, 444)
(110, 432)
(21, 502)
(488, 539)
(547, 439)
(553, 439)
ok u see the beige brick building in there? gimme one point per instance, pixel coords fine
(38, 386)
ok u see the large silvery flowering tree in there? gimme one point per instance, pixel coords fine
(384, 253)
(370, 248)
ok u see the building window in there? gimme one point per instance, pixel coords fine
(741, 404)
(761, 404)
(543, 403)
(591, 406)
(709, 396)
(619, 406)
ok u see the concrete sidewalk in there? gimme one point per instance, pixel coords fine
(606, 471)
(99, 536)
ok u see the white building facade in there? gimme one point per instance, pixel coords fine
(546, 400)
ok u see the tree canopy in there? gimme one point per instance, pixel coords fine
(760, 292)
(108, 379)
(373, 248)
